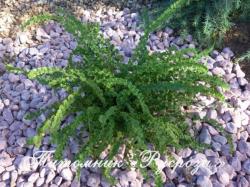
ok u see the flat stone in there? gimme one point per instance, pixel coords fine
(66, 174)
(41, 34)
(229, 76)
(13, 78)
(212, 114)
(28, 83)
(93, 180)
(231, 128)
(211, 153)
(51, 175)
(244, 105)
(220, 139)
(3, 143)
(242, 81)
(243, 182)
(58, 180)
(5, 159)
(30, 132)
(219, 58)
(75, 183)
(204, 136)
(227, 116)
(1, 169)
(184, 153)
(23, 164)
(218, 71)
(5, 176)
(236, 164)
(223, 177)
(26, 184)
(2, 47)
(246, 166)
(3, 124)
(13, 177)
(239, 72)
(248, 87)
(216, 146)
(204, 181)
(234, 83)
(244, 147)
(40, 181)
(7, 115)
(23, 38)
(33, 177)
(212, 130)
(33, 51)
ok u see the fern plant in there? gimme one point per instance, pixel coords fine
(208, 20)
(245, 56)
(132, 104)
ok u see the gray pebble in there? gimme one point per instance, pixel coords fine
(204, 136)
(93, 180)
(204, 181)
(231, 128)
(246, 166)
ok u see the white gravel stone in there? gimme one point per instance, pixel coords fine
(23, 38)
(33, 51)
(223, 177)
(218, 71)
(6, 176)
(1, 169)
(40, 181)
(239, 72)
(51, 175)
(33, 177)
(66, 174)
(26, 184)
(212, 114)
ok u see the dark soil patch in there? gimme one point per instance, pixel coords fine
(238, 39)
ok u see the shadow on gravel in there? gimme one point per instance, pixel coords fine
(238, 39)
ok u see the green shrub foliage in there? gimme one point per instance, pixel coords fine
(209, 20)
(134, 104)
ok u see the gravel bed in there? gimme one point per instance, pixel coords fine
(49, 45)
